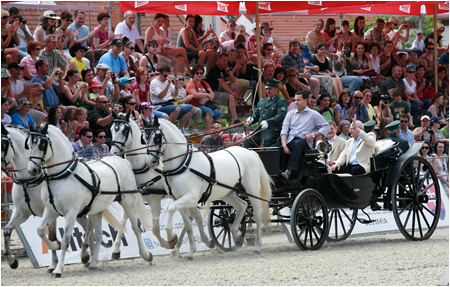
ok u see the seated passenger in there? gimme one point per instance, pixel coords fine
(355, 157)
(300, 127)
(337, 144)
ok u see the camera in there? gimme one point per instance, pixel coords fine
(385, 99)
(22, 20)
(57, 73)
(429, 130)
(347, 53)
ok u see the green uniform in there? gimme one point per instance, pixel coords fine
(273, 112)
(402, 143)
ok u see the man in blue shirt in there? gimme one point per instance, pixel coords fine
(84, 37)
(114, 60)
(83, 147)
(361, 110)
(405, 132)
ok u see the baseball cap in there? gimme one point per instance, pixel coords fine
(145, 105)
(95, 84)
(102, 66)
(14, 65)
(435, 119)
(116, 42)
(424, 117)
(123, 80)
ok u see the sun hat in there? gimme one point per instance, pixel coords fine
(75, 48)
(48, 14)
(22, 102)
(266, 25)
(225, 136)
(5, 73)
(95, 84)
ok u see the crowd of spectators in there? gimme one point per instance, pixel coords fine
(80, 80)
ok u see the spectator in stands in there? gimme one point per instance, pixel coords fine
(65, 34)
(21, 117)
(382, 110)
(435, 129)
(88, 75)
(442, 81)
(17, 88)
(229, 33)
(148, 113)
(413, 60)
(252, 42)
(129, 105)
(74, 94)
(125, 86)
(367, 98)
(411, 91)
(200, 33)
(358, 32)
(129, 30)
(266, 33)
(77, 52)
(430, 37)
(427, 60)
(241, 30)
(443, 60)
(163, 94)
(203, 97)
(331, 36)
(109, 82)
(9, 39)
(79, 123)
(360, 108)
(419, 43)
(214, 140)
(188, 41)
(422, 86)
(324, 109)
(294, 58)
(344, 110)
(23, 32)
(46, 26)
(444, 130)
(277, 56)
(102, 39)
(437, 107)
(327, 79)
(185, 99)
(376, 34)
(393, 82)
(225, 87)
(114, 60)
(6, 119)
(315, 37)
(388, 59)
(29, 61)
(344, 37)
(100, 147)
(423, 133)
(293, 83)
(151, 60)
(130, 60)
(342, 68)
(344, 129)
(388, 27)
(440, 165)
(312, 102)
(55, 119)
(83, 147)
(399, 106)
(360, 62)
(85, 38)
(393, 33)
(405, 132)
(231, 45)
(37, 110)
(53, 56)
(141, 88)
(101, 117)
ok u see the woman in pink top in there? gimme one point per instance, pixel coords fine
(29, 61)
(102, 39)
(140, 90)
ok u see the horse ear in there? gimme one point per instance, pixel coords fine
(128, 115)
(45, 129)
(31, 129)
(26, 142)
(155, 121)
(143, 140)
(4, 130)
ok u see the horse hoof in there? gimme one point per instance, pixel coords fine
(190, 257)
(15, 264)
(240, 241)
(115, 256)
(257, 252)
(211, 244)
(85, 259)
(50, 270)
(86, 265)
(56, 275)
(173, 242)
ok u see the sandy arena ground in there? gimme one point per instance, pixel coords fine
(386, 259)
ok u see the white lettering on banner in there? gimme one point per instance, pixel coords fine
(222, 7)
(366, 8)
(405, 8)
(264, 6)
(444, 6)
(182, 7)
(317, 3)
(140, 3)
(129, 248)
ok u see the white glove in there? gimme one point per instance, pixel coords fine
(249, 121)
(264, 125)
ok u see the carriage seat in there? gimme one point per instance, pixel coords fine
(386, 151)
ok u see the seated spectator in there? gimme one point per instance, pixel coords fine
(397, 33)
(55, 118)
(413, 60)
(147, 112)
(6, 119)
(345, 37)
(231, 45)
(129, 30)
(324, 74)
(114, 60)
(277, 56)
(65, 34)
(130, 60)
(9, 39)
(100, 147)
(129, 106)
(361, 64)
(203, 96)
(226, 140)
(424, 132)
(53, 56)
(367, 98)
(440, 165)
(393, 82)
(399, 106)
(83, 147)
(344, 129)
(77, 52)
(125, 86)
(312, 102)
(411, 92)
(23, 32)
(229, 33)
(382, 110)
(37, 110)
(430, 37)
(212, 141)
(427, 60)
(331, 36)
(394, 38)
(74, 94)
(443, 60)
(442, 81)
(101, 117)
(88, 75)
(344, 110)
(405, 132)
(46, 26)
(241, 30)
(422, 86)
(202, 35)
(102, 39)
(315, 37)
(188, 41)
(342, 68)
(17, 88)
(226, 88)
(437, 107)
(358, 32)
(141, 88)
(184, 99)
(21, 117)
(388, 59)
(151, 60)
(163, 94)
(109, 82)
(435, 129)
(419, 43)
(252, 42)
(266, 53)
(79, 123)
(360, 108)
(324, 108)
(29, 62)
(246, 63)
(444, 130)
(94, 90)
(280, 74)
(376, 34)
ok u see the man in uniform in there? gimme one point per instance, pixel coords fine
(270, 114)
(394, 134)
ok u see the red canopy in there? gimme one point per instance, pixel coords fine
(182, 7)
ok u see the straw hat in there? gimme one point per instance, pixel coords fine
(48, 14)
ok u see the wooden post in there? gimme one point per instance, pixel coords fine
(258, 43)
(435, 36)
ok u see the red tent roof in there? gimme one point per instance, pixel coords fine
(182, 7)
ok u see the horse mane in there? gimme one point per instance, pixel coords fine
(173, 127)
(19, 129)
(63, 136)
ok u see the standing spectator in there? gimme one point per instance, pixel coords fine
(399, 106)
(440, 165)
(129, 30)
(46, 26)
(376, 34)
(83, 147)
(422, 86)
(437, 107)
(65, 34)
(53, 56)
(430, 37)
(424, 132)
(419, 43)
(114, 60)
(23, 32)
(100, 147)
(314, 37)
(21, 117)
(330, 35)
(9, 39)
(360, 108)
(345, 36)
(343, 110)
(393, 82)
(411, 92)
(358, 32)
(405, 132)
(427, 60)
(229, 33)
(109, 82)
(29, 61)
(6, 119)
(101, 117)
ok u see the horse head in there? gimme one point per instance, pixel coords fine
(122, 133)
(38, 143)
(153, 137)
(6, 144)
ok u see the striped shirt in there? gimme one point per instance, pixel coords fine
(54, 59)
(290, 60)
(27, 61)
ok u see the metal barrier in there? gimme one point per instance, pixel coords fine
(6, 202)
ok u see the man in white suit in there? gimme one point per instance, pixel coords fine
(354, 159)
(337, 143)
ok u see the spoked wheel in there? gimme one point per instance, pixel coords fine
(221, 217)
(342, 222)
(309, 220)
(416, 199)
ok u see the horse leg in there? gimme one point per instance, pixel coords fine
(182, 203)
(95, 224)
(17, 219)
(190, 233)
(197, 216)
(240, 206)
(70, 223)
(117, 242)
(155, 206)
(258, 215)
(52, 237)
(47, 218)
(176, 251)
(88, 240)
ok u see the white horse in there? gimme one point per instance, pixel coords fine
(126, 136)
(76, 188)
(236, 170)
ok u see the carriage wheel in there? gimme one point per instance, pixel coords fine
(342, 222)
(416, 199)
(309, 220)
(221, 218)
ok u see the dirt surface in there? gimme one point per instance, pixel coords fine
(386, 259)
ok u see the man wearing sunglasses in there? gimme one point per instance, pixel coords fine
(402, 37)
(83, 147)
(102, 116)
(361, 110)
(114, 60)
(405, 132)
(23, 32)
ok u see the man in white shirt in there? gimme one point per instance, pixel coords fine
(129, 30)
(404, 38)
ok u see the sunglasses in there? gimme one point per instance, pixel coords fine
(293, 75)
(411, 72)
(37, 49)
(358, 98)
(101, 137)
(269, 49)
(441, 31)
(68, 20)
(199, 73)
(103, 102)
(5, 17)
(131, 104)
(425, 147)
(405, 122)
(180, 79)
(165, 76)
(430, 48)
(395, 24)
(131, 48)
(51, 15)
(90, 137)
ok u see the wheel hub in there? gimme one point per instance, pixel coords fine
(421, 198)
(314, 221)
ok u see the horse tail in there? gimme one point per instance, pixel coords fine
(143, 213)
(113, 221)
(266, 193)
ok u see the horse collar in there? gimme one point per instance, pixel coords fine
(6, 143)
(183, 165)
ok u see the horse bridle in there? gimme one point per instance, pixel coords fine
(126, 132)
(6, 143)
(44, 142)
(158, 139)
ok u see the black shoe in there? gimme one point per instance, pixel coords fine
(375, 206)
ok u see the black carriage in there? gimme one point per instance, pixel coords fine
(326, 206)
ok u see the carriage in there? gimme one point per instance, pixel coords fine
(326, 206)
